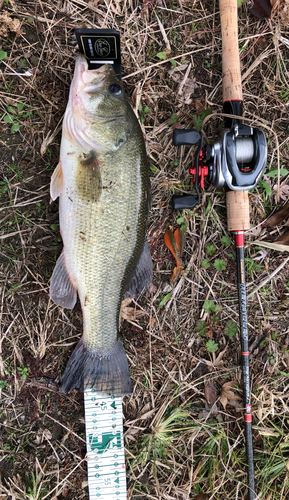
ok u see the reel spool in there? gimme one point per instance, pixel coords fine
(238, 159)
(244, 150)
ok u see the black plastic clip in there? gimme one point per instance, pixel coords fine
(100, 47)
(183, 138)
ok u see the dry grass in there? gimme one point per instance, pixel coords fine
(183, 425)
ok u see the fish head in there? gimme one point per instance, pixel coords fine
(98, 107)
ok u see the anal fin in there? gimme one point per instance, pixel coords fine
(61, 289)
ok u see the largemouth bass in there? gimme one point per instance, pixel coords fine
(102, 181)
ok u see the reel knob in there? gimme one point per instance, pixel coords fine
(186, 137)
(185, 201)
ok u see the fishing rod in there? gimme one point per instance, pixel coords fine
(236, 162)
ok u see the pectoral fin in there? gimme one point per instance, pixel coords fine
(141, 279)
(61, 290)
(56, 184)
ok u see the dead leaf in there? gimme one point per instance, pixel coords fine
(130, 314)
(267, 431)
(261, 255)
(216, 361)
(189, 86)
(284, 238)
(261, 8)
(144, 479)
(10, 102)
(92, 4)
(181, 67)
(211, 394)
(177, 77)
(275, 219)
(147, 414)
(274, 246)
(263, 42)
(65, 491)
(152, 322)
(41, 434)
(116, 9)
(284, 191)
(256, 231)
(228, 396)
(198, 105)
(259, 210)
(47, 434)
(285, 359)
(152, 290)
(7, 24)
(165, 37)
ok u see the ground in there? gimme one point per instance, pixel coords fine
(183, 422)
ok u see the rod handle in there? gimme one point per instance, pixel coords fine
(238, 213)
(232, 87)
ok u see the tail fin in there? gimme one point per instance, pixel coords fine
(105, 372)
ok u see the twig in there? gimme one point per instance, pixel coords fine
(263, 283)
(57, 486)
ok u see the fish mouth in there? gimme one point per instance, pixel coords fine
(85, 84)
(90, 80)
(91, 89)
(94, 79)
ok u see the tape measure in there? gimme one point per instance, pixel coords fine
(105, 448)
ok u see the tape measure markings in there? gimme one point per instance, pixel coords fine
(105, 449)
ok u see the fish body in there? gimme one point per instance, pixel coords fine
(103, 185)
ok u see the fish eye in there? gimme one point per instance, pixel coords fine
(115, 89)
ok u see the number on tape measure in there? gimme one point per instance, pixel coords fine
(105, 449)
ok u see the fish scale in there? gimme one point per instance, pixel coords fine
(102, 180)
(99, 261)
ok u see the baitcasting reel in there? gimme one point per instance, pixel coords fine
(236, 161)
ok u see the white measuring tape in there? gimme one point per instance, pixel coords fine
(105, 448)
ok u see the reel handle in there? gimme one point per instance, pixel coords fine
(232, 87)
(188, 137)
